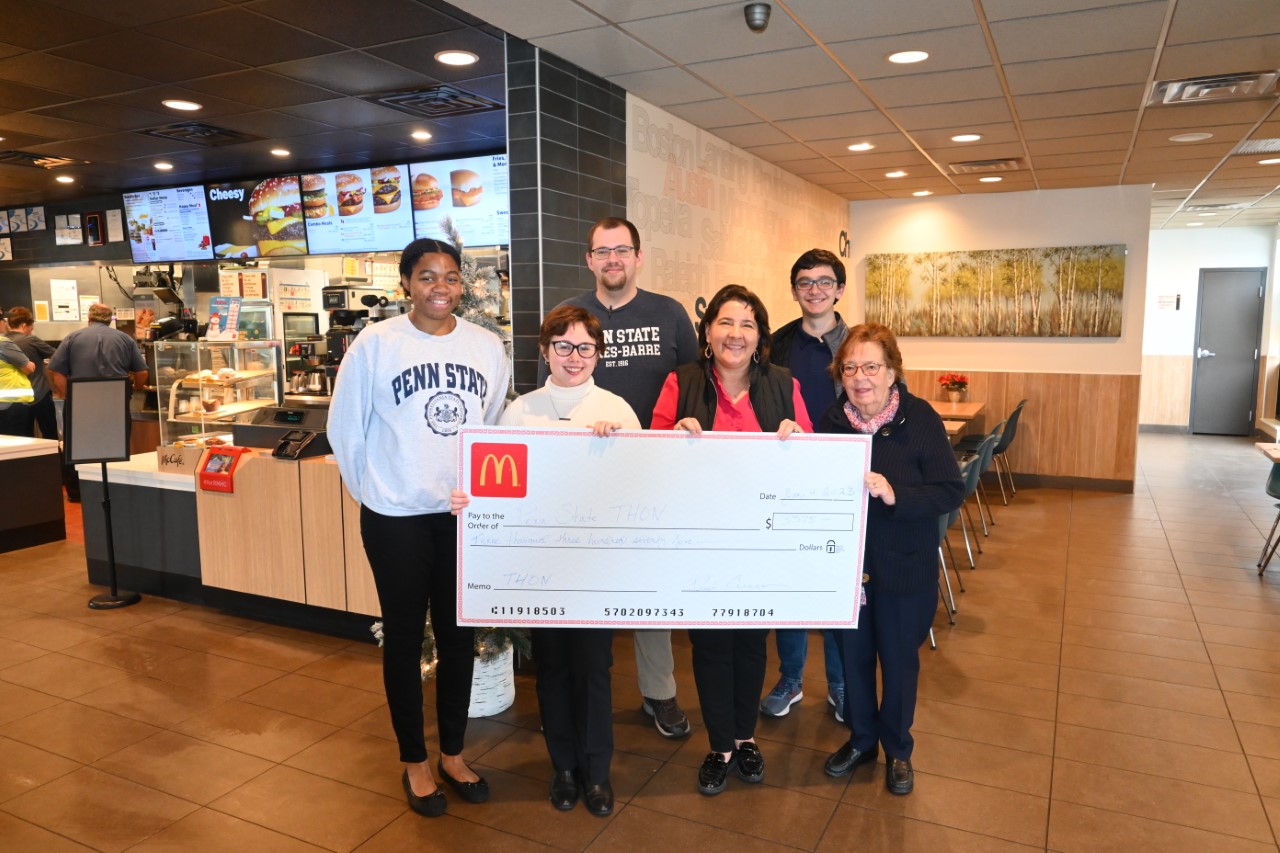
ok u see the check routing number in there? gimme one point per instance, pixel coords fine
(660, 529)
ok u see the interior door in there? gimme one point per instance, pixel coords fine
(1228, 334)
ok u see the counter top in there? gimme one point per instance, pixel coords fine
(19, 447)
(142, 469)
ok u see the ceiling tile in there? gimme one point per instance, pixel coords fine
(1106, 30)
(1200, 116)
(863, 19)
(1215, 20)
(718, 32)
(261, 89)
(35, 25)
(346, 112)
(1046, 128)
(1059, 144)
(272, 125)
(664, 86)
(1000, 10)
(607, 50)
(885, 143)
(992, 134)
(850, 127)
(784, 151)
(1109, 99)
(1256, 53)
(769, 72)
(47, 126)
(809, 101)
(531, 20)
(352, 73)
(64, 75)
(111, 116)
(747, 135)
(969, 84)
(1081, 158)
(395, 20)
(949, 50)
(136, 13)
(243, 37)
(719, 112)
(15, 96)
(632, 10)
(146, 57)
(1079, 72)
(419, 54)
(953, 115)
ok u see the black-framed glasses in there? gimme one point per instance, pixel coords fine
(871, 368)
(603, 252)
(564, 348)
(824, 284)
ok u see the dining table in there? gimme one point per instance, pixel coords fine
(949, 411)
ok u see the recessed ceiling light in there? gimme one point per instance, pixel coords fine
(966, 137)
(1194, 224)
(163, 166)
(1191, 137)
(65, 179)
(421, 135)
(994, 179)
(897, 174)
(457, 57)
(861, 146)
(185, 106)
(1270, 161)
(904, 57)
(1206, 214)
(280, 152)
(922, 193)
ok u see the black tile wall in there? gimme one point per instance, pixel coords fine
(566, 137)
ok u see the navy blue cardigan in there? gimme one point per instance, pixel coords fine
(915, 456)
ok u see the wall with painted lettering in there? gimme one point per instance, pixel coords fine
(711, 214)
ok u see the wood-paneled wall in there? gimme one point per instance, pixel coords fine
(1074, 426)
(1166, 390)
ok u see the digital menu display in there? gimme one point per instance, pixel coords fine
(357, 210)
(168, 225)
(252, 219)
(474, 192)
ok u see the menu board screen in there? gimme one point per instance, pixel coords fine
(251, 219)
(474, 192)
(357, 210)
(168, 225)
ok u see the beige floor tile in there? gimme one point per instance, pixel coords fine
(1161, 723)
(278, 652)
(61, 675)
(13, 652)
(1166, 800)
(963, 642)
(23, 837)
(77, 731)
(1245, 707)
(351, 669)
(325, 701)
(1237, 618)
(184, 630)
(24, 767)
(150, 700)
(1249, 638)
(1178, 629)
(259, 731)
(1135, 643)
(990, 727)
(17, 701)
(1266, 774)
(110, 813)
(208, 831)
(1143, 691)
(183, 766)
(1081, 828)
(50, 632)
(220, 676)
(317, 810)
(970, 761)
(413, 833)
(1259, 740)
(1145, 592)
(357, 759)
(124, 651)
(872, 831)
(1264, 660)
(989, 695)
(1251, 681)
(1137, 665)
(1125, 606)
(1196, 764)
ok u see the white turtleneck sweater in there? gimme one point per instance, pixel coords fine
(579, 406)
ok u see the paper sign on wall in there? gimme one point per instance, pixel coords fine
(63, 293)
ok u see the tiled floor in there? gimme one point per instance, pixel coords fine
(1111, 684)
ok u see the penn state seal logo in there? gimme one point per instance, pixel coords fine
(446, 413)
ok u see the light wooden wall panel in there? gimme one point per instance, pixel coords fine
(322, 545)
(1166, 390)
(1081, 426)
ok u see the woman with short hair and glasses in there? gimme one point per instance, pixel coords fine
(913, 479)
(573, 682)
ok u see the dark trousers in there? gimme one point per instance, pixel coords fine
(41, 413)
(891, 628)
(414, 561)
(13, 419)
(728, 668)
(575, 698)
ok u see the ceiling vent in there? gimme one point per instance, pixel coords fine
(199, 133)
(981, 167)
(435, 102)
(1257, 146)
(1216, 89)
(1195, 208)
(37, 161)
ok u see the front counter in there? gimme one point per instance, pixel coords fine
(284, 546)
(31, 497)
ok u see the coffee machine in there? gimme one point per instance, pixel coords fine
(344, 325)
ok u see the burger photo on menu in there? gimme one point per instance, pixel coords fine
(386, 189)
(276, 208)
(466, 187)
(426, 192)
(315, 198)
(350, 194)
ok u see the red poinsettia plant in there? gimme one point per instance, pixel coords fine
(954, 381)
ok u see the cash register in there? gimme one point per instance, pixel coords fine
(296, 432)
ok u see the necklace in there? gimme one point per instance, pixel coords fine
(556, 408)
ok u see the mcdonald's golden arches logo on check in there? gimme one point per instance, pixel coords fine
(499, 470)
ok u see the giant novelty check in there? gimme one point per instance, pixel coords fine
(660, 529)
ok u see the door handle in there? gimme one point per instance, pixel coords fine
(1204, 353)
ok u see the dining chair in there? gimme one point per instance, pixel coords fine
(1002, 463)
(969, 473)
(985, 451)
(1272, 541)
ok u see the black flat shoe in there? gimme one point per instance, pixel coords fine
(848, 758)
(599, 798)
(899, 778)
(564, 789)
(472, 792)
(432, 805)
(749, 766)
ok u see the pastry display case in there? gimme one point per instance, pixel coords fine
(202, 387)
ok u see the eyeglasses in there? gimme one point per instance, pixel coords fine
(603, 253)
(871, 368)
(804, 285)
(564, 348)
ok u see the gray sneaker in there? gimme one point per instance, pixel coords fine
(780, 699)
(835, 698)
(669, 720)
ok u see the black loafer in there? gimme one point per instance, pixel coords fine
(714, 772)
(432, 805)
(599, 799)
(848, 758)
(749, 766)
(472, 792)
(564, 789)
(899, 778)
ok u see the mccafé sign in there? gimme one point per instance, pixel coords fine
(499, 470)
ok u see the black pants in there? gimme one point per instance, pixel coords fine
(13, 419)
(728, 667)
(414, 561)
(575, 698)
(41, 413)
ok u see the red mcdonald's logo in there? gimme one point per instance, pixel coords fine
(499, 470)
